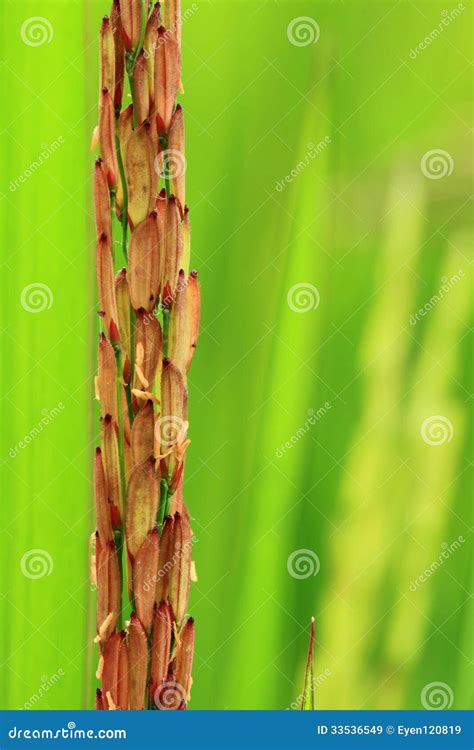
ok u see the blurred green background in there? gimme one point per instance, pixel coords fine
(372, 489)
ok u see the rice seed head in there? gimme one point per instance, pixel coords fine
(107, 378)
(107, 56)
(107, 137)
(138, 656)
(101, 200)
(149, 46)
(161, 645)
(144, 578)
(183, 661)
(142, 505)
(144, 264)
(184, 321)
(173, 422)
(104, 523)
(108, 590)
(140, 172)
(148, 352)
(116, 26)
(180, 572)
(142, 89)
(175, 145)
(110, 456)
(131, 15)
(167, 78)
(143, 398)
(172, 18)
(173, 248)
(115, 672)
(106, 286)
(143, 434)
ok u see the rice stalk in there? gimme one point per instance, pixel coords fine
(307, 698)
(149, 314)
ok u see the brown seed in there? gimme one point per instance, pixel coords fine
(184, 321)
(161, 645)
(107, 56)
(107, 379)
(140, 171)
(107, 137)
(142, 505)
(144, 264)
(143, 434)
(175, 146)
(104, 524)
(110, 455)
(180, 573)
(138, 656)
(144, 578)
(167, 78)
(183, 661)
(106, 286)
(148, 352)
(101, 200)
(116, 25)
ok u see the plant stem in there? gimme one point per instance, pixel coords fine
(164, 503)
(124, 219)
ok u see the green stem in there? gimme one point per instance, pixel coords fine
(142, 33)
(130, 72)
(164, 506)
(124, 219)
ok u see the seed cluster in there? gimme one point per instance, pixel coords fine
(149, 312)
